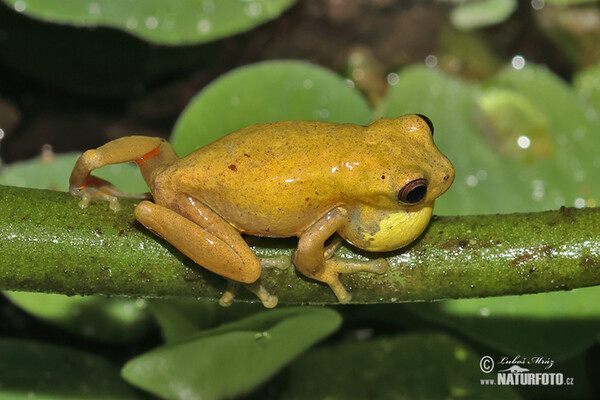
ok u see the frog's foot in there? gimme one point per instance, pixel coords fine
(268, 300)
(333, 268)
(91, 193)
(279, 262)
(100, 189)
(227, 297)
(335, 244)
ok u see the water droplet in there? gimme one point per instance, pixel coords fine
(538, 193)
(94, 9)
(234, 101)
(20, 6)
(208, 6)
(141, 303)
(262, 335)
(518, 62)
(481, 175)
(151, 22)
(559, 201)
(484, 312)
(579, 175)
(431, 61)
(253, 9)
(324, 113)
(307, 84)
(460, 354)
(537, 4)
(579, 133)
(131, 23)
(523, 142)
(1, 134)
(350, 83)
(591, 202)
(471, 180)
(393, 78)
(579, 202)
(204, 26)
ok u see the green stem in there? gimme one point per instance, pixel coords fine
(48, 244)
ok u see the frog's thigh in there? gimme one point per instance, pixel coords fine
(225, 255)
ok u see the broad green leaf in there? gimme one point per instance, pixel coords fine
(35, 370)
(531, 101)
(556, 324)
(267, 92)
(484, 182)
(478, 14)
(570, 176)
(587, 85)
(412, 366)
(95, 317)
(180, 318)
(232, 359)
(173, 22)
(53, 173)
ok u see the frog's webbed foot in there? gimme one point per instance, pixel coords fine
(97, 188)
(268, 300)
(333, 268)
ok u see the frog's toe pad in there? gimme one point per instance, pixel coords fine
(280, 262)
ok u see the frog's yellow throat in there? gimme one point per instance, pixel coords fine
(398, 229)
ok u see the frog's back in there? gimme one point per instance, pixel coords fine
(280, 177)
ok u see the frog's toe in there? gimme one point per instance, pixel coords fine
(280, 262)
(379, 266)
(269, 300)
(229, 294)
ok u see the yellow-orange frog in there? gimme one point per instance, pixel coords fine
(374, 185)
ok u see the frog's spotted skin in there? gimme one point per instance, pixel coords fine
(374, 185)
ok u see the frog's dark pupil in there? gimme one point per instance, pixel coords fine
(416, 195)
(428, 121)
(413, 191)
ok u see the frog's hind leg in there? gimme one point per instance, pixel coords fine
(207, 239)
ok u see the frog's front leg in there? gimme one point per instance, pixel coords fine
(315, 261)
(148, 152)
(202, 235)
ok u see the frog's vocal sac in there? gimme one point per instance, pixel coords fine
(374, 186)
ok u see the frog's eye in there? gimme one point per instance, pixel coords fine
(427, 121)
(413, 192)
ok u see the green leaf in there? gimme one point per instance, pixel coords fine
(587, 85)
(175, 22)
(95, 317)
(558, 170)
(478, 14)
(557, 324)
(412, 366)
(232, 359)
(266, 92)
(484, 182)
(43, 371)
(569, 177)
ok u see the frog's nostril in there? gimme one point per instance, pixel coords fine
(446, 178)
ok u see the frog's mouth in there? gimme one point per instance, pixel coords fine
(396, 229)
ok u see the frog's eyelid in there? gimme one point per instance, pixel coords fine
(427, 121)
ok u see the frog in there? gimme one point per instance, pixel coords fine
(373, 186)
